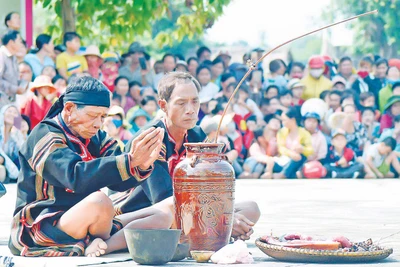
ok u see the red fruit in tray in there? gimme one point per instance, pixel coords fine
(344, 242)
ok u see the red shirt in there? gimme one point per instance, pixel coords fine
(34, 111)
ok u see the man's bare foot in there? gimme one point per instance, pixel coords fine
(96, 248)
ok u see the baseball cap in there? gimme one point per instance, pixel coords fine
(338, 132)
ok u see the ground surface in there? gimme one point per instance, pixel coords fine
(358, 209)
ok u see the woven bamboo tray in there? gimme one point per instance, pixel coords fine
(320, 256)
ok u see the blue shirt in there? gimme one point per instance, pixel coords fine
(37, 66)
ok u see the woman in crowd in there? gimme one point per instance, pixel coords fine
(122, 89)
(294, 146)
(208, 88)
(43, 56)
(11, 140)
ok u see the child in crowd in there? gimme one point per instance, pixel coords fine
(208, 88)
(393, 132)
(262, 150)
(368, 120)
(70, 62)
(379, 158)
(109, 69)
(286, 99)
(340, 161)
(94, 61)
(367, 99)
(60, 84)
(271, 91)
(297, 89)
(244, 107)
(118, 119)
(265, 107)
(37, 106)
(311, 124)
(275, 105)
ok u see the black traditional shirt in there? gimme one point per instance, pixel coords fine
(159, 185)
(58, 170)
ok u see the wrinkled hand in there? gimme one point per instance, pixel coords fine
(242, 227)
(146, 147)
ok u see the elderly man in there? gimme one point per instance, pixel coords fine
(179, 99)
(66, 160)
(10, 85)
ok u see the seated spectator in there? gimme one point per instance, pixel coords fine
(158, 67)
(122, 89)
(109, 69)
(139, 119)
(311, 124)
(228, 85)
(193, 64)
(244, 107)
(25, 126)
(277, 69)
(392, 109)
(296, 70)
(118, 119)
(333, 101)
(262, 150)
(210, 128)
(345, 70)
(208, 88)
(339, 83)
(356, 133)
(49, 71)
(248, 135)
(42, 57)
(393, 132)
(11, 140)
(366, 82)
(94, 61)
(271, 91)
(203, 53)
(381, 68)
(393, 76)
(379, 158)
(37, 105)
(297, 89)
(217, 68)
(25, 74)
(340, 161)
(60, 84)
(181, 65)
(275, 105)
(265, 107)
(294, 146)
(368, 120)
(286, 99)
(149, 104)
(314, 81)
(169, 64)
(69, 62)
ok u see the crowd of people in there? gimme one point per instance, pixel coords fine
(322, 119)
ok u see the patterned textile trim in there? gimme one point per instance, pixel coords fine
(121, 165)
(107, 144)
(138, 173)
(119, 199)
(163, 153)
(46, 145)
(117, 226)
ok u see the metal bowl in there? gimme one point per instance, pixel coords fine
(152, 247)
(201, 256)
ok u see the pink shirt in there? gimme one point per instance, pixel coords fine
(319, 145)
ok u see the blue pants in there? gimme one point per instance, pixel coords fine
(290, 169)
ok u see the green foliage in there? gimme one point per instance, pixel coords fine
(378, 33)
(116, 23)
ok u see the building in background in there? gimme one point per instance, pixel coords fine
(25, 9)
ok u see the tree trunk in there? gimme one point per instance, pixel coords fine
(68, 16)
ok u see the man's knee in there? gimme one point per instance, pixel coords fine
(100, 204)
(250, 209)
(163, 219)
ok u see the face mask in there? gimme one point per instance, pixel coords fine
(297, 75)
(316, 73)
(117, 123)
